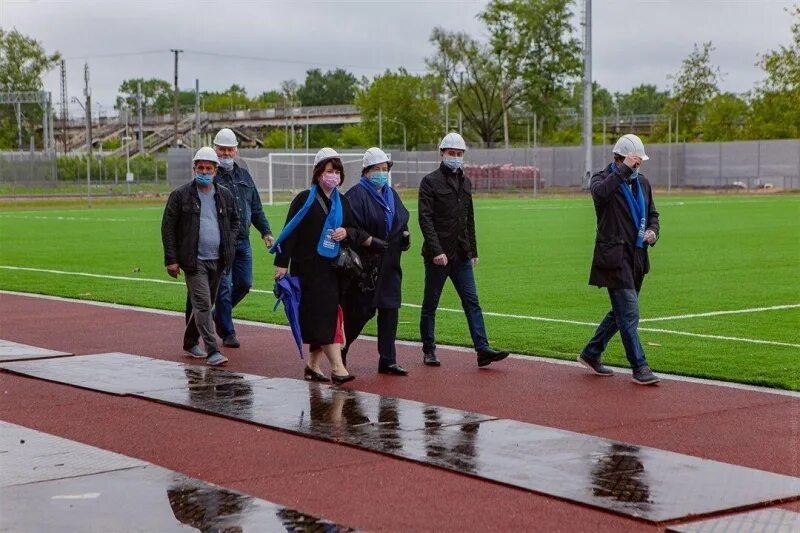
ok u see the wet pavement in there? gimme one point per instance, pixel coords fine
(50, 483)
(15, 351)
(766, 520)
(645, 483)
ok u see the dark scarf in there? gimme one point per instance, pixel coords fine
(636, 206)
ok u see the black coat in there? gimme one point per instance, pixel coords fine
(180, 226)
(446, 215)
(369, 216)
(617, 262)
(321, 286)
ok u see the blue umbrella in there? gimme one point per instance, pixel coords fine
(287, 290)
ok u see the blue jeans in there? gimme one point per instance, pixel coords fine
(460, 272)
(623, 317)
(233, 287)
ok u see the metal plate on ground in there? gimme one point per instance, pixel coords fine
(772, 520)
(15, 351)
(645, 483)
(143, 498)
(29, 456)
(121, 373)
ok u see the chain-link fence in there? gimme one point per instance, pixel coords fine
(741, 165)
(47, 174)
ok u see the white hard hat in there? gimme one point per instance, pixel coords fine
(226, 137)
(206, 153)
(375, 156)
(453, 140)
(325, 154)
(630, 144)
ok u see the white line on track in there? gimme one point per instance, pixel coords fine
(529, 358)
(720, 313)
(416, 306)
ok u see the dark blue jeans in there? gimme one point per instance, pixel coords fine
(460, 273)
(623, 317)
(233, 287)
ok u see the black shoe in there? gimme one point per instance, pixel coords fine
(595, 366)
(338, 380)
(395, 370)
(429, 358)
(344, 356)
(231, 341)
(310, 375)
(488, 356)
(645, 376)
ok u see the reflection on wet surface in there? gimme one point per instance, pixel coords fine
(143, 497)
(646, 483)
(14, 351)
(767, 520)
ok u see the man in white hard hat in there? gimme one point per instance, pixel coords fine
(238, 279)
(198, 232)
(450, 249)
(627, 225)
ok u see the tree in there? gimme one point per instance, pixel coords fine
(470, 73)
(23, 62)
(156, 95)
(776, 108)
(231, 99)
(267, 99)
(332, 88)
(602, 101)
(723, 118)
(535, 39)
(642, 100)
(695, 84)
(404, 100)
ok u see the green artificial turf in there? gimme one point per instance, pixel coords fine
(715, 253)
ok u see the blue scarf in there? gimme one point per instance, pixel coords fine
(326, 247)
(385, 199)
(636, 206)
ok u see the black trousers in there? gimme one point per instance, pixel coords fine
(356, 317)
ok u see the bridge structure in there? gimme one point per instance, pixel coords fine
(158, 131)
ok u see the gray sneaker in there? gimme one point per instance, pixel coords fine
(595, 366)
(645, 376)
(216, 359)
(196, 352)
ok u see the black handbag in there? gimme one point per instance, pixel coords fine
(348, 262)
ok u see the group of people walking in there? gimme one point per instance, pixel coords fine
(205, 232)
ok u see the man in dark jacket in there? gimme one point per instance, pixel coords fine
(238, 279)
(447, 221)
(627, 224)
(198, 232)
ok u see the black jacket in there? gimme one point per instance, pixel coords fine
(180, 226)
(446, 215)
(617, 262)
(248, 202)
(370, 218)
(321, 286)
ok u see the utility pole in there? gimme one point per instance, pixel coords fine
(88, 93)
(175, 95)
(587, 87)
(141, 125)
(64, 108)
(197, 113)
(380, 128)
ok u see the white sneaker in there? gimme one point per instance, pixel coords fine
(216, 359)
(197, 352)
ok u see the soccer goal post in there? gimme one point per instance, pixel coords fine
(281, 175)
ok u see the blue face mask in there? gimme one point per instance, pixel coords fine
(204, 179)
(635, 174)
(226, 162)
(379, 179)
(453, 163)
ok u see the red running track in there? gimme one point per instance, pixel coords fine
(367, 490)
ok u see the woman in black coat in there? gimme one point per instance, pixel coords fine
(380, 213)
(321, 286)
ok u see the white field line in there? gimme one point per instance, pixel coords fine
(79, 219)
(416, 306)
(528, 358)
(720, 313)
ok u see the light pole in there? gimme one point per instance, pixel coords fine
(88, 156)
(405, 148)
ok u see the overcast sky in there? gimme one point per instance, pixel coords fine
(635, 41)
